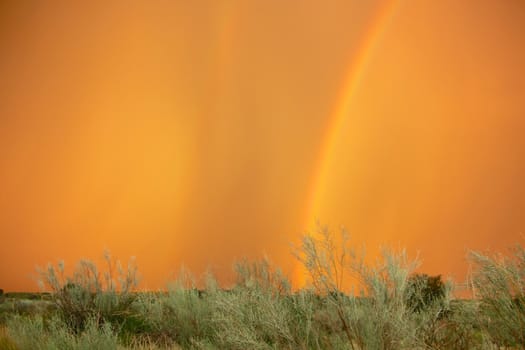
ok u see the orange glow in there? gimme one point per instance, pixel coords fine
(198, 133)
(356, 68)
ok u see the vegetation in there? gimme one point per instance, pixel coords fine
(349, 304)
(498, 283)
(92, 296)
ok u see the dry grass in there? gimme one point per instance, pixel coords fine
(6, 343)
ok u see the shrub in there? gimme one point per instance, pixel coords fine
(179, 316)
(32, 333)
(498, 282)
(182, 315)
(261, 275)
(423, 291)
(379, 313)
(88, 294)
(350, 304)
(254, 314)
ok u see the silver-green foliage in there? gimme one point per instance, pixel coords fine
(351, 304)
(375, 313)
(33, 333)
(498, 283)
(253, 314)
(91, 294)
(181, 315)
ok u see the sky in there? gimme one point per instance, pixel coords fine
(198, 133)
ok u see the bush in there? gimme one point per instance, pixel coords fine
(179, 316)
(90, 295)
(350, 304)
(499, 283)
(379, 312)
(423, 291)
(254, 313)
(32, 333)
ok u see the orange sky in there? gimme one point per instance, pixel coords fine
(200, 132)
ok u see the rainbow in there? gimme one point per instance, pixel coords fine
(353, 77)
(355, 72)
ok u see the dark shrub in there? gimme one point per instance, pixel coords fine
(424, 290)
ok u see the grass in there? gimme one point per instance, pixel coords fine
(6, 343)
(350, 304)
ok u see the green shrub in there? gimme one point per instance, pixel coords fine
(179, 316)
(182, 315)
(350, 304)
(379, 312)
(32, 333)
(253, 314)
(88, 294)
(498, 282)
(423, 291)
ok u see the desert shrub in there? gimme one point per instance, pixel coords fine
(458, 329)
(381, 318)
(327, 262)
(445, 323)
(306, 322)
(182, 315)
(89, 294)
(253, 314)
(423, 291)
(261, 275)
(498, 282)
(145, 343)
(258, 312)
(378, 313)
(179, 316)
(33, 333)
(26, 307)
(349, 304)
